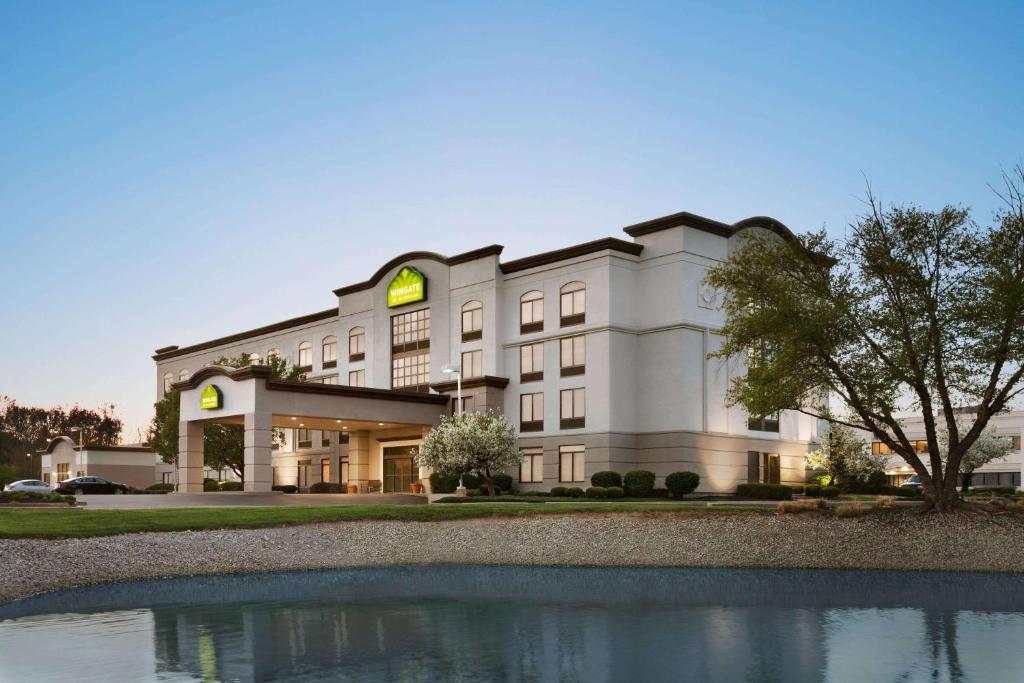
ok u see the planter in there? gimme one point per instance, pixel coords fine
(352, 488)
(417, 487)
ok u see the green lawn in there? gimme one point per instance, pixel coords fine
(57, 523)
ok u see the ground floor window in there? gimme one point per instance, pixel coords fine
(344, 470)
(325, 469)
(570, 463)
(531, 470)
(46, 477)
(304, 467)
(63, 471)
(995, 479)
(167, 478)
(763, 467)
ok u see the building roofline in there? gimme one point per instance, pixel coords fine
(471, 383)
(547, 257)
(93, 447)
(465, 257)
(692, 220)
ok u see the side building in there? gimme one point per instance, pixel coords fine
(597, 352)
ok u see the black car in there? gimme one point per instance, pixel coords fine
(89, 485)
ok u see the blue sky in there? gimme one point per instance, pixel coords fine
(172, 172)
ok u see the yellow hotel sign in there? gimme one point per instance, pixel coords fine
(211, 398)
(407, 287)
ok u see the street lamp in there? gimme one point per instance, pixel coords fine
(81, 445)
(457, 371)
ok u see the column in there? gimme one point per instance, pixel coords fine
(190, 457)
(258, 457)
(359, 458)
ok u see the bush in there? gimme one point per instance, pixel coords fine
(639, 483)
(33, 497)
(812, 490)
(829, 492)
(286, 488)
(877, 481)
(764, 491)
(502, 481)
(597, 492)
(681, 483)
(443, 482)
(325, 487)
(993, 490)
(819, 479)
(908, 491)
(231, 486)
(606, 478)
(852, 510)
(795, 507)
(210, 485)
(470, 481)
(574, 492)
(614, 492)
(559, 491)
(797, 488)
(161, 487)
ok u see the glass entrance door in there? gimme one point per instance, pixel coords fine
(400, 469)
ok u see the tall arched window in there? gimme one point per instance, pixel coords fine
(472, 320)
(356, 344)
(531, 312)
(183, 375)
(254, 359)
(574, 303)
(330, 351)
(305, 356)
(275, 352)
(168, 380)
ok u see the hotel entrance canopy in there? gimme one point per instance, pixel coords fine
(249, 397)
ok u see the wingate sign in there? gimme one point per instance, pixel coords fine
(407, 287)
(211, 398)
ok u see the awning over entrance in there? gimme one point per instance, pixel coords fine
(249, 397)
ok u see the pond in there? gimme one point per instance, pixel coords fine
(525, 624)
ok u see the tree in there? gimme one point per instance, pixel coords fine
(844, 456)
(479, 443)
(223, 445)
(912, 309)
(987, 447)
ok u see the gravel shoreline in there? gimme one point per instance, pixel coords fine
(898, 540)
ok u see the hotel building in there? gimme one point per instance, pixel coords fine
(596, 352)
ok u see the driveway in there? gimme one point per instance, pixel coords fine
(233, 499)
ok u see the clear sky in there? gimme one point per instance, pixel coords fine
(173, 172)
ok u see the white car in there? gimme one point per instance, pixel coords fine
(33, 485)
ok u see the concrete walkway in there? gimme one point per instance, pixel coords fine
(238, 499)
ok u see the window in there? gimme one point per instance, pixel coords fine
(167, 477)
(468, 404)
(344, 469)
(168, 381)
(570, 463)
(531, 469)
(273, 353)
(472, 320)
(325, 469)
(330, 351)
(410, 351)
(356, 344)
(769, 423)
(330, 379)
(357, 378)
(531, 412)
(303, 478)
(63, 470)
(305, 356)
(183, 375)
(574, 408)
(325, 440)
(472, 364)
(879, 448)
(303, 438)
(574, 304)
(531, 312)
(254, 359)
(531, 362)
(573, 355)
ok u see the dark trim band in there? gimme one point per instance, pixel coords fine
(173, 351)
(492, 250)
(606, 243)
(471, 383)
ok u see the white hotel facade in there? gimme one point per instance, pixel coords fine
(596, 352)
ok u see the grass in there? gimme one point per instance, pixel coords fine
(56, 523)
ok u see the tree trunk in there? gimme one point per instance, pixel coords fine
(966, 483)
(489, 482)
(944, 499)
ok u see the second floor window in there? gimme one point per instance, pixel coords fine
(357, 378)
(573, 408)
(531, 362)
(356, 344)
(254, 359)
(531, 412)
(306, 356)
(531, 312)
(573, 355)
(769, 423)
(573, 304)
(410, 351)
(183, 375)
(472, 364)
(472, 320)
(303, 438)
(330, 349)
(168, 381)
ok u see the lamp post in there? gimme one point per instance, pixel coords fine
(457, 371)
(78, 456)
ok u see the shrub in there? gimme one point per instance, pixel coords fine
(606, 478)
(161, 487)
(614, 492)
(231, 486)
(795, 507)
(597, 492)
(559, 491)
(681, 483)
(325, 487)
(33, 497)
(877, 481)
(638, 483)
(443, 482)
(797, 488)
(210, 485)
(812, 490)
(470, 481)
(829, 492)
(574, 492)
(908, 491)
(286, 488)
(502, 481)
(852, 510)
(764, 491)
(819, 479)
(995, 490)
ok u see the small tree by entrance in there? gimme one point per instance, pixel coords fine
(481, 443)
(843, 456)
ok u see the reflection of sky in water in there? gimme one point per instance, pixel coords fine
(525, 624)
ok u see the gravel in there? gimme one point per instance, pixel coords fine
(899, 540)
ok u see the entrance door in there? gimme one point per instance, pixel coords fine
(400, 469)
(303, 479)
(772, 473)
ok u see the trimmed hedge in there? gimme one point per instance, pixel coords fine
(161, 487)
(574, 492)
(829, 492)
(502, 481)
(33, 497)
(231, 486)
(326, 487)
(443, 482)
(597, 492)
(286, 488)
(614, 492)
(210, 485)
(606, 479)
(764, 491)
(559, 491)
(681, 483)
(639, 483)
(812, 490)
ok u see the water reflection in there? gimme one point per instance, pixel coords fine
(525, 624)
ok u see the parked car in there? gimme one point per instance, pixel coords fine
(33, 485)
(89, 485)
(914, 481)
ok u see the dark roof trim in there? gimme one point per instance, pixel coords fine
(93, 447)
(607, 243)
(492, 250)
(173, 351)
(472, 383)
(236, 374)
(354, 392)
(692, 220)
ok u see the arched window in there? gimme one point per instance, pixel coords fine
(472, 320)
(531, 312)
(574, 303)
(356, 344)
(275, 353)
(254, 359)
(330, 351)
(183, 375)
(168, 380)
(305, 356)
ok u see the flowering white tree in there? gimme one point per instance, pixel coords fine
(989, 446)
(844, 456)
(482, 443)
